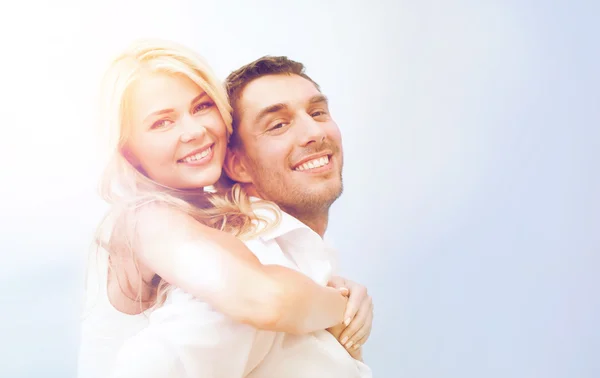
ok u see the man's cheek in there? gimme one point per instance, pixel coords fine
(335, 138)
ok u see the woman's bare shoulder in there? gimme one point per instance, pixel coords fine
(162, 224)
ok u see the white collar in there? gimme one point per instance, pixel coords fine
(287, 223)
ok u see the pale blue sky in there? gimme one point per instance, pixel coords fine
(471, 207)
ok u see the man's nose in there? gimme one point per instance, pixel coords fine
(191, 129)
(311, 131)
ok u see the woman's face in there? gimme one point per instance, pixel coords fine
(178, 137)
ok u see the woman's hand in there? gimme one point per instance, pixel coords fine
(358, 317)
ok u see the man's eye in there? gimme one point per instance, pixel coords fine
(161, 123)
(277, 126)
(318, 113)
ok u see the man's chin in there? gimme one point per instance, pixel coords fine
(303, 195)
(325, 197)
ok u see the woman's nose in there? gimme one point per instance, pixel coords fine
(191, 129)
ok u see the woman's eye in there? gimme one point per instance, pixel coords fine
(161, 123)
(202, 106)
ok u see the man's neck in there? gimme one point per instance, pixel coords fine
(317, 221)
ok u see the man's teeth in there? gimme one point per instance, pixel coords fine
(198, 156)
(315, 163)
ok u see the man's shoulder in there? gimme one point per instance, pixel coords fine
(271, 222)
(267, 251)
(257, 244)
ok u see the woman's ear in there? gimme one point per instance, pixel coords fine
(235, 167)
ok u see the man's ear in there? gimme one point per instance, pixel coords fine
(235, 167)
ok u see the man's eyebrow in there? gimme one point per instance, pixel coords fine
(318, 98)
(269, 110)
(279, 107)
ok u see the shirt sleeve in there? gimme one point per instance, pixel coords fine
(332, 255)
(187, 338)
(363, 370)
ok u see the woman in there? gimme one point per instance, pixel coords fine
(162, 98)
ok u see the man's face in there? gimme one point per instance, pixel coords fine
(291, 149)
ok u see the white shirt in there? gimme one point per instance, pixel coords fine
(104, 329)
(187, 338)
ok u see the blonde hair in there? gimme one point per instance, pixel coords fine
(126, 189)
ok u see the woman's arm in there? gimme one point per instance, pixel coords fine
(218, 268)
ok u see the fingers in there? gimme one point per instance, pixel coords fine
(340, 284)
(357, 345)
(362, 335)
(359, 326)
(337, 282)
(358, 294)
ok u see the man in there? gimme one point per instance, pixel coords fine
(286, 149)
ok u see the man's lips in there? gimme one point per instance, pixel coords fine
(313, 162)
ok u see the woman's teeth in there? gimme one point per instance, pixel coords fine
(198, 156)
(315, 163)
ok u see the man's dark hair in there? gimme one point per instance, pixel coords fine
(267, 65)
